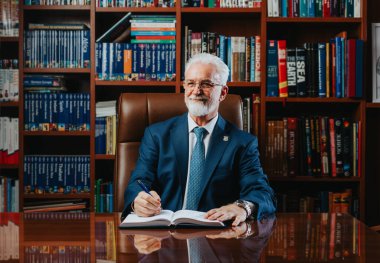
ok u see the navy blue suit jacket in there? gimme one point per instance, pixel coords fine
(233, 170)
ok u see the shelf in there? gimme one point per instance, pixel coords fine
(243, 84)
(57, 196)
(56, 243)
(57, 7)
(8, 39)
(136, 9)
(9, 166)
(133, 83)
(219, 10)
(56, 133)
(312, 100)
(313, 179)
(9, 104)
(58, 70)
(105, 156)
(371, 105)
(313, 20)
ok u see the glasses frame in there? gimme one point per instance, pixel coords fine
(199, 84)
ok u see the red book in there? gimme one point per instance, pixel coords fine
(290, 8)
(326, 8)
(332, 147)
(351, 67)
(282, 75)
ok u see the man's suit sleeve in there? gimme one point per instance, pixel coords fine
(145, 170)
(254, 183)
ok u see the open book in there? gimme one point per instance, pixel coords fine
(169, 218)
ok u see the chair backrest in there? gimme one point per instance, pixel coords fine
(137, 111)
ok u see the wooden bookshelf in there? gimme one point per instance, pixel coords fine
(8, 39)
(9, 166)
(227, 21)
(371, 105)
(58, 196)
(9, 104)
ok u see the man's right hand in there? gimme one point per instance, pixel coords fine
(147, 205)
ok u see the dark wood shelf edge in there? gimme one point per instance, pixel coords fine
(313, 179)
(57, 70)
(135, 9)
(9, 39)
(220, 10)
(56, 133)
(14, 104)
(57, 7)
(308, 100)
(373, 105)
(105, 157)
(9, 166)
(133, 83)
(57, 196)
(313, 20)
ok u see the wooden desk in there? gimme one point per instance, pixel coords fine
(87, 237)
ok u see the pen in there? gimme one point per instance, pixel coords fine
(142, 185)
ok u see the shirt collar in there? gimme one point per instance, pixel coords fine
(209, 126)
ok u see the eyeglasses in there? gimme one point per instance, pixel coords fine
(202, 84)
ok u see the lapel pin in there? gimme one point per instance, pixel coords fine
(225, 138)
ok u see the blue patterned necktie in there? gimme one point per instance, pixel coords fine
(197, 166)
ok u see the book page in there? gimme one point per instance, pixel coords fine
(193, 217)
(133, 220)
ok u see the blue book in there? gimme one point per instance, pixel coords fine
(322, 70)
(222, 52)
(153, 33)
(229, 56)
(338, 46)
(253, 58)
(349, 8)
(359, 68)
(86, 49)
(272, 69)
(304, 8)
(311, 8)
(284, 8)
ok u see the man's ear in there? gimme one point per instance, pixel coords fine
(223, 93)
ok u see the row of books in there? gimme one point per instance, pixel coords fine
(56, 111)
(295, 201)
(9, 140)
(9, 194)
(105, 240)
(124, 61)
(105, 127)
(222, 3)
(56, 216)
(9, 77)
(9, 22)
(159, 29)
(57, 46)
(313, 146)
(57, 2)
(56, 174)
(241, 54)
(44, 83)
(314, 8)
(9, 237)
(135, 3)
(55, 205)
(333, 69)
(55, 253)
(333, 237)
(103, 196)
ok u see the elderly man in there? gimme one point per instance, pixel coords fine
(199, 161)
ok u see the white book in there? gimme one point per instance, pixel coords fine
(270, 8)
(169, 218)
(357, 8)
(276, 8)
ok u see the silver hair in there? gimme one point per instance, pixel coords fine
(222, 71)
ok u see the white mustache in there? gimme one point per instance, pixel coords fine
(200, 97)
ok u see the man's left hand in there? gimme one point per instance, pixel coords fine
(227, 212)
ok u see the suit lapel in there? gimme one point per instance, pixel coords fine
(218, 142)
(181, 148)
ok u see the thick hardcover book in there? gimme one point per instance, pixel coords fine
(321, 70)
(272, 69)
(347, 148)
(359, 68)
(301, 72)
(292, 147)
(291, 68)
(282, 76)
(167, 218)
(339, 146)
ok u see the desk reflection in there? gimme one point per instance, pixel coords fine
(241, 244)
(89, 237)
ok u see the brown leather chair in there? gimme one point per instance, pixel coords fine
(139, 110)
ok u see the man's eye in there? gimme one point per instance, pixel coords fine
(207, 84)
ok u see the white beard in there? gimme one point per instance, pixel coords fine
(201, 106)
